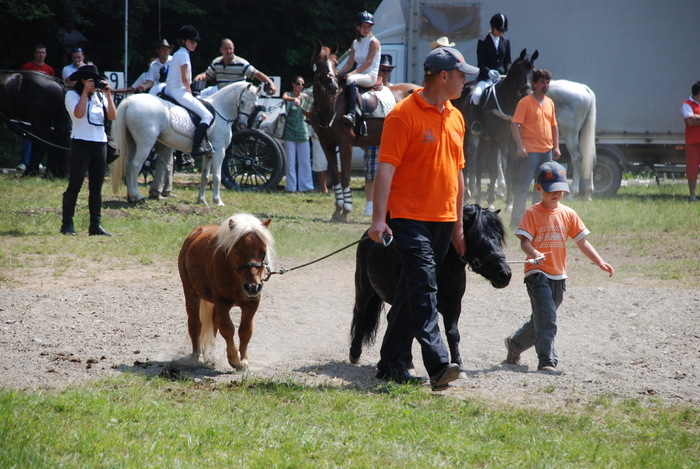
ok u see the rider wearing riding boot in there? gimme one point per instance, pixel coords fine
(89, 105)
(178, 86)
(493, 60)
(362, 66)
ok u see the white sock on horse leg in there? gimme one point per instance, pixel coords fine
(347, 199)
(338, 189)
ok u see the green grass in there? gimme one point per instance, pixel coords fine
(133, 421)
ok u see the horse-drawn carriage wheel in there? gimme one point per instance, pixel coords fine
(607, 174)
(254, 161)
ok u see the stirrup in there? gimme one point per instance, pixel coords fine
(348, 119)
(475, 129)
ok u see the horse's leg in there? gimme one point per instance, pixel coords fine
(576, 157)
(206, 168)
(245, 331)
(492, 165)
(500, 193)
(509, 173)
(194, 323)
(217, 161)
(133, 168)
(227, 330)
(329, 150)
(345, 164)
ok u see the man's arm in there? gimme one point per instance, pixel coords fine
(382, 187)
(556, 152)
(265, 79)
(458, 229)
(515, 131)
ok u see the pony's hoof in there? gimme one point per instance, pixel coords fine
(354, 360)
(243, 365)
(202, 201)
(219, 203)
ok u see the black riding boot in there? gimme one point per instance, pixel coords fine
(95, 206)
(69, 201)
(350, 103)
(475, 118)
(199, 133)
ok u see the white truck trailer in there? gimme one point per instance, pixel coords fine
(638, 56)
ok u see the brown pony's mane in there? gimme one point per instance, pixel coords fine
(236, 226)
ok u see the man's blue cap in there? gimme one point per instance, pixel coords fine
(447, 58)
(552, 177)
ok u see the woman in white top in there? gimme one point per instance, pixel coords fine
(89, 104)
(362, 67)
(178, 85)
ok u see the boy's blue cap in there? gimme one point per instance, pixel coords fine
(447, 58)
(552, 177)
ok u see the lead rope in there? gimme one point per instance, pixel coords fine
(270, 273)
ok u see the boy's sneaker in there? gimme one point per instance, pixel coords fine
(21, 167)
(512, 358)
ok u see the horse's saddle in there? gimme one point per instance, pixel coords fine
(182, 119)
(375, 102)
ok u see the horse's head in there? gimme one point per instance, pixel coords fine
(520, 73)
(247, 105)
(484, 235)
(248, 245)
(324, 63)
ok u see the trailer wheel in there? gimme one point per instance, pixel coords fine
(607, 175)
(253, 162)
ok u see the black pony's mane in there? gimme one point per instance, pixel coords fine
(479, 222)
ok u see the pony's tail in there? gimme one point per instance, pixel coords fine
(368, 306)
(119, 136)
(206, 333)
(587, 139)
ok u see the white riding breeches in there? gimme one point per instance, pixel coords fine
(190, 102)
(364, 80)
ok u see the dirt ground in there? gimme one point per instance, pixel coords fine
(618, 338)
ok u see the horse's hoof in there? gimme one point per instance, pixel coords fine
(202, 201)
(354, 360)
(243, 365)
(219, 203)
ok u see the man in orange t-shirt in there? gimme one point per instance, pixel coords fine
(418, 192)
(535, 131)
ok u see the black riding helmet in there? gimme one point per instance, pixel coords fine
(189, 32)
(364, 17)
(499, 22)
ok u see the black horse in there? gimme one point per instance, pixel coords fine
(377, 271)
(37, 99)
(498, 103)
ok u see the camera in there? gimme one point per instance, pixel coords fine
(101, 84)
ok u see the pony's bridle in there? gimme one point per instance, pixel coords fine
(251, 265)
(476, 263)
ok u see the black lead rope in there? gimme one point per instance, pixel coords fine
(284, 271)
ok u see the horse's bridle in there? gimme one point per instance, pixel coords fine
(251, 265)
(476, 263)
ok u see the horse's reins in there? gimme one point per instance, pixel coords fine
(15, 126)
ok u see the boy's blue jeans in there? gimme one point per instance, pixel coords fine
(545, 297)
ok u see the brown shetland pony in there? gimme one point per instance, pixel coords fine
(222, 267)
(329, 106)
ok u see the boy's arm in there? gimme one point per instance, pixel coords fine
(591, 253)
(528, 249)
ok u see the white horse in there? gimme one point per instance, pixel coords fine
(576, 118)
(144, 120)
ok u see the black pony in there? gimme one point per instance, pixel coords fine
(377, 271)
(37, 99)
(498, 104)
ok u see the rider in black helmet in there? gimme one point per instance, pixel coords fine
(178, 86)
(493, 60)
(362, 67)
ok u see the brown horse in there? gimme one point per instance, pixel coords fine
(222, 267)
(329, 106)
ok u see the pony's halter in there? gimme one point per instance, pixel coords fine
(250, 265)
(476, 264)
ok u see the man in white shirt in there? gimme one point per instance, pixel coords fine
(158, 69)
(77, 58)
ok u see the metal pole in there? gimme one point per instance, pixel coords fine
(126, 43)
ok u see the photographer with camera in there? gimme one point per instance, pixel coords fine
(89, 105)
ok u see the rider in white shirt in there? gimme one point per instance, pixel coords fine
(178, 85)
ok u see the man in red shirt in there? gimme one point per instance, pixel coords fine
(39, 64)
(36, 65)
(691, 116)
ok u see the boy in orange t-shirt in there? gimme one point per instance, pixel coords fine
(544, 229)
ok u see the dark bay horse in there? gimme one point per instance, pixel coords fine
(37, 99)
(222, 267)
(329, 106)
(498, 103)
(377, 271)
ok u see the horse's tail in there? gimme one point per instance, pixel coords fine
(587, 139)
(206, 333)
(368, 306)
(119, 137)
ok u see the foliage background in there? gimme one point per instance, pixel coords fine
(276, 36)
